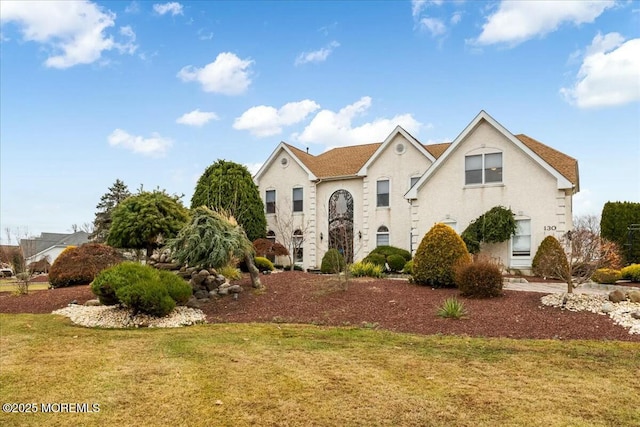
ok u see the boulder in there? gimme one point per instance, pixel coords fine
(607, 307)
(193, 302)
(617, 296)
(235, 289)
(201, 294)
(636, 314)
(634, 296)
(92, 303)
(204, 273)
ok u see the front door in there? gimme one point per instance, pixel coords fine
(341, 223)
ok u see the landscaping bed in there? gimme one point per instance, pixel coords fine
(396, 305)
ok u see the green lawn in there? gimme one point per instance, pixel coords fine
(285, 375)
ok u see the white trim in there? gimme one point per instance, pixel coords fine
(266, 165)
(562, 182)
(397, 131)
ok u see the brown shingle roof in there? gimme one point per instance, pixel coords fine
(341, 161)
(566, 165)
(347, 161)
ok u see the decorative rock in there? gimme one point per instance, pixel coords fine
(193, 302)
(92, 303)
(223, 291)
(607, 307)
(200, 294)
(617, 296)
(204, 273)
(235, 289)
(166, 266)
(634, 296)
(213, 294)
(636, 314)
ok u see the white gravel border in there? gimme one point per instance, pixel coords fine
(115, 317)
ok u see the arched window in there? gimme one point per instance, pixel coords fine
(382, 236)
(271, 236)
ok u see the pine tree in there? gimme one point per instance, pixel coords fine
(102, 223)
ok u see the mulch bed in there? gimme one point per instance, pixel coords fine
(395, 305)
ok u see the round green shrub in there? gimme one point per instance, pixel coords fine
(332, 262)
(149, 298)
(631, 272)
(387, 251)
(440, 252)
(396, 262)
(606, 276)
(263, 264)
(408, 267)
(550, 260)
(480, 279)
(377, 259)
(179, 289)
(108, 281)
(79, 265)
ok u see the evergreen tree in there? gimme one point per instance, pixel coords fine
(101, 224)
(228, 186)
(143, 221)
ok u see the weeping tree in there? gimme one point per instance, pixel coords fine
(494, 226)
(211, 240)
(228, 186)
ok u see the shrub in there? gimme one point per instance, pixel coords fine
(481, 279)
(377, 259)
(408, 267)
(387, 251)
(230, 272)
(79, 265)
(263, 264)
(631, 272)
(606, 276)
(396, 262)
(440, 251)
(178, 288)
(550, 260)
(366, 269)
(150, 298)
(452, 309)
(332, 262)
(107, 282)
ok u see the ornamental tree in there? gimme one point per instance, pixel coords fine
(228, 186)
(213, 239)
(145, 220)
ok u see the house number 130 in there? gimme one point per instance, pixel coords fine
(549, 228)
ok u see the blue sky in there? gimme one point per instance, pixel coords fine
(153, 93)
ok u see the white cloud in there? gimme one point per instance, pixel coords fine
(174, 8)
(417, 6)
(320, 55)
(197, 118)
(74, 30)
(132, 7)
(155, 146)
(456, 17)
(609, 74)
(253, 167)
(517, 21)
(264, 120)
(435, 26)
(336, 129)
(228, 74)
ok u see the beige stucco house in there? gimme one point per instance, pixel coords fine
(392, 192)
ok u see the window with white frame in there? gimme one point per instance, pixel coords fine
(271, 236)
(382, 193)
(451, 223)
(521, 241)
(483, 168)
(382, 236)
(297, 200)
(298, 251)
(270, 201)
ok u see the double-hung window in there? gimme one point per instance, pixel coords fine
(270, 199)
(483, 168)
(382, 193)
(297, 200)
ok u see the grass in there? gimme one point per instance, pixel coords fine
(10, 284)
(287, 375)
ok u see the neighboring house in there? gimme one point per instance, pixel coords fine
(391, 193)
(50, 245)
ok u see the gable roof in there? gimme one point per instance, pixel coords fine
(35, 246)
(337, 162)
(555, 162)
